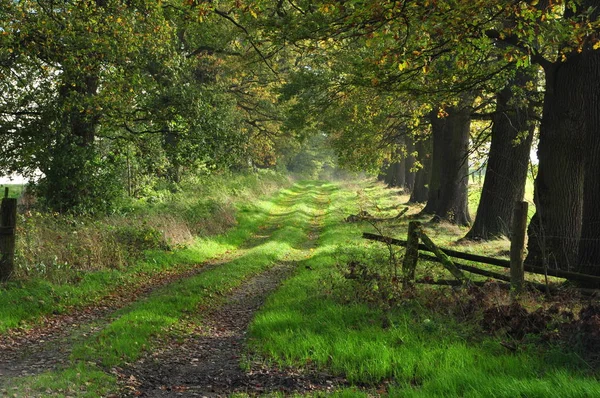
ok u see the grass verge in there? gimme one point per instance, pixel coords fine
(316, 320)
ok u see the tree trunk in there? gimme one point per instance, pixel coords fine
(420, 191)
(589, 245)
(400, 174)
(437, 157)
(388, 177)
(506, 172)
(448, 197)
(395, 173)
(409, 164)
(555, 229)
(68, 181)
(400, 162)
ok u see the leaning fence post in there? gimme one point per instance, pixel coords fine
(412, 254)
(444, 259)
(8, 221)
(517, 247)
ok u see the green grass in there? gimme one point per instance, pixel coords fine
(80, 380)
(476, 186)
(424, 353)
(319, 319)
(23, 302)
(169, 310)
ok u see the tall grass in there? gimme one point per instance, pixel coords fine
(58, 248)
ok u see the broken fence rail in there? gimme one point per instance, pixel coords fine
(573, 276)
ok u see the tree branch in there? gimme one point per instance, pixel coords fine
(241, 27)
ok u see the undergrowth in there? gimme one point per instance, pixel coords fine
(58, 247)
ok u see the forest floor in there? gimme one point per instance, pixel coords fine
(283, 313)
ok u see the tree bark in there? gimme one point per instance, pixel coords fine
(420, 191)
(555, 229)
(448, 197)
(437, 157)
(589, 245)
(409, 163)
(506, 172)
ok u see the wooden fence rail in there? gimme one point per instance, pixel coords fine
(442, 254)
(574, 276)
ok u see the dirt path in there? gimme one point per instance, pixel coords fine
(208, 363)
(48, 346)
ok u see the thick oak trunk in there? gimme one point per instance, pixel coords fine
(448, 198)
(555, 228)
(437, 157)
(506, 172)
(589, 245)
(420, 191)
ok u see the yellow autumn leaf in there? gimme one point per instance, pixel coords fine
(596, 45)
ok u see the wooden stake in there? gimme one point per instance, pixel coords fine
(517, 247)
(8, 221)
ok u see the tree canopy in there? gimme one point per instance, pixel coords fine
(103, 96)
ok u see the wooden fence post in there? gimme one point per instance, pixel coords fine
(517, 247)
(412, 254)
(8, 222)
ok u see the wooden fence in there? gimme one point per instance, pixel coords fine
(445, 257)
(8, 222)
